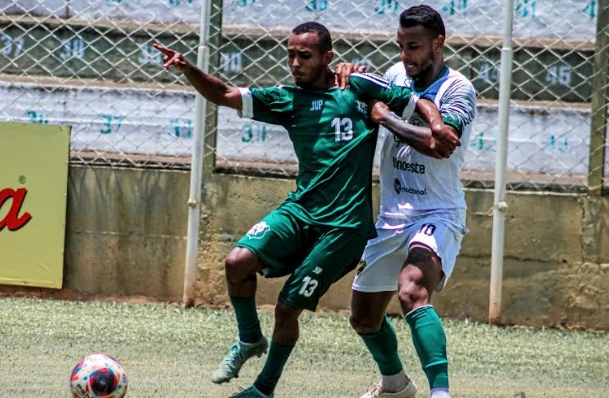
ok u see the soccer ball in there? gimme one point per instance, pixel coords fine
(98, 375)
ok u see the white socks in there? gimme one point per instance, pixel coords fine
(399, 381)
(440, 393)
(395, 382)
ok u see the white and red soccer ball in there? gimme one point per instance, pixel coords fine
(98, 375)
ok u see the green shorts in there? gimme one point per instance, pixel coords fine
(315, 256)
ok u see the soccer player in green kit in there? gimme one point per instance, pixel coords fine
(318, 234)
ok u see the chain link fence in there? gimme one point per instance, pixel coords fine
(90, 64)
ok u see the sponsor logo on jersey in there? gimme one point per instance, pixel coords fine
(397, 185)
(415, 167)
(362, 107)
(317, 105)
(258, 231)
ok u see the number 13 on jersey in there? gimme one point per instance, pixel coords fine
(343, 129)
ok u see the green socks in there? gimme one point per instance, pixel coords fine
(430, 343)
(268, 378)
(247, 319)
(383, 345)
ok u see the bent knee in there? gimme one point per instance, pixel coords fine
(412, 293)
(365, 324)
(285, 312)
(240, 263)
(411, 299)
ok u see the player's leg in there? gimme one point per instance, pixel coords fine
(429, 263)
(335, 253)
(373, 288)
(285, 336)
(416, 284)
(241, 267)
(255, 252)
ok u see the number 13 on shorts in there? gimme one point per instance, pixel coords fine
(308, 286)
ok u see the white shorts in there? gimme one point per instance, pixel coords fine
(385, 255)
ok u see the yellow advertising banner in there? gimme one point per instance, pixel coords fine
(33, 191)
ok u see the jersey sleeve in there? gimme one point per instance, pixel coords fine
(458, 106)
(367, 86)
(269, 105)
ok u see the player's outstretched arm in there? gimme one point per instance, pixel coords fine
(210, 87)
(420, 138)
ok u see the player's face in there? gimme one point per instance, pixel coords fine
(308, 65)
(419, 50)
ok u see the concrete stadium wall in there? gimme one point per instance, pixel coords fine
(125, 232)
(556, 269)
(126, 237)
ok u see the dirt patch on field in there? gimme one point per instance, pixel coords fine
(70, 295)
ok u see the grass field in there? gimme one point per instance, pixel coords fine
(170, 352)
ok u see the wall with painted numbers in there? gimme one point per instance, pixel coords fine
(109, 119)
(95, 43)
(572, 19)
(542, 73)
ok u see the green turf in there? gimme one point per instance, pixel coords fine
(170, 352)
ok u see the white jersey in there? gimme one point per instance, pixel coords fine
(413, 184)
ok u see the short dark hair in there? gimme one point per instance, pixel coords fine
(425, 16)
(325, 40)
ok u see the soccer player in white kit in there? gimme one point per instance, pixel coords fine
(422, 216)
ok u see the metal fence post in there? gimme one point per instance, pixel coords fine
(214, 45)
(194, 200)
(598, 122)
(500, 206)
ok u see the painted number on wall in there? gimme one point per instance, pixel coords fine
(182, 128)
(489, 73)
(478, 143)
(317, 5)
(231, 62)
(559, 75)
(177, 3)
(73, 49)
(526, 8)
(560, 143)
(13, 46)
(37, 117)
(253, 132)
(454, 7)
(389, 7)
(590, 9)
(112, 123)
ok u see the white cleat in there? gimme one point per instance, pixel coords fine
(410, 391)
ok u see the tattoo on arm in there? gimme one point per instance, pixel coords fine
(411, 134)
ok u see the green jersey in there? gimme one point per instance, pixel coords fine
(334, 141)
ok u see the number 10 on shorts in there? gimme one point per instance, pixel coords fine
(427, 229)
